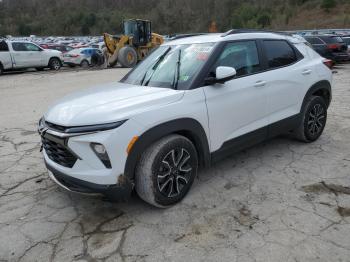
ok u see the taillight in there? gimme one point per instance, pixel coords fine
(329, 63)
(333, 46)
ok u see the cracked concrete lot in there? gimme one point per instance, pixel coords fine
(278, 201)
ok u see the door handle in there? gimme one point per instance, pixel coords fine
(306, 72)
(260, 83)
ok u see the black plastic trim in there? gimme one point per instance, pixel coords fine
(255, 137)
(184, 126)
(321, 85)
(83, 129)
(120, 191)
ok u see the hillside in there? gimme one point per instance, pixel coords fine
(85, 17)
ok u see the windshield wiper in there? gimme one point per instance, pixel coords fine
(177, 73)
(154, 67)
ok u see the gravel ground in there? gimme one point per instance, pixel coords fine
(278, 201)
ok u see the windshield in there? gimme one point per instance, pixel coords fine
(170, 66)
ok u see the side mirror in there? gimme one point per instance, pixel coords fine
(223, 74)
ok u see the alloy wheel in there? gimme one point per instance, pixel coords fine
(56, 65)
(174, 172)
(316, 119)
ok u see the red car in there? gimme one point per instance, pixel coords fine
(62, 48)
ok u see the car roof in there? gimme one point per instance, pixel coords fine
(223, 37)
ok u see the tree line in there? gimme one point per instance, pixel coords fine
(91, 17)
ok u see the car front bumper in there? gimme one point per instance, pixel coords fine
(76, 167)
(120, 191)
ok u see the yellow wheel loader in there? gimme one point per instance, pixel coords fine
(133, 45)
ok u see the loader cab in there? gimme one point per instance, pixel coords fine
(139, 30)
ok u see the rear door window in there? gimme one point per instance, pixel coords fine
(19, 47)
(279, 53)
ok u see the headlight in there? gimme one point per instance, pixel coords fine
(101, 153)
(41, 125)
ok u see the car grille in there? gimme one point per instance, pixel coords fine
(58, 152)
(55, 127)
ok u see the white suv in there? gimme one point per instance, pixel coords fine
(191, 102)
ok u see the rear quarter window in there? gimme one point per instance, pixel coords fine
(3, 46)
(279, 53)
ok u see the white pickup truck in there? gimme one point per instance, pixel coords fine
(22, 54)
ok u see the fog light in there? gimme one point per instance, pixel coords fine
(101, 153)
(100, 149)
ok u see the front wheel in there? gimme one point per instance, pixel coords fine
(166, 171)
(127, 57)
(84, 64)
(55, 64)
(313, 120)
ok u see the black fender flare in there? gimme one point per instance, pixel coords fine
(187, 127)
(322, 85)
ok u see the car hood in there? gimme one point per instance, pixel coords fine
(110, 103)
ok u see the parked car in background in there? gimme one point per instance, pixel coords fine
(79, 45)
(100, 45)
(58, 47)
(22, 55)
(329, 46)
(80, 57)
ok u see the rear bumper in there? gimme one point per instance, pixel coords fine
(120, 191)
(341, 57)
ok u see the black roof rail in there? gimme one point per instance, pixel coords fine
(244, 31)
(185, 35)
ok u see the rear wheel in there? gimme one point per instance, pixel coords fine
(54, 64)
(166, 171)
(313, 120)
(127, 56)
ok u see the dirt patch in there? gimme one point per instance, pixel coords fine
(229, 185)
(245, 217)
(344, 211)
(322, 187)
(27, 133)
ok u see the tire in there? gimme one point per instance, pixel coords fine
(127, 56)
(84, 64)
(55, 64)
(313, 120)
(166, 171)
